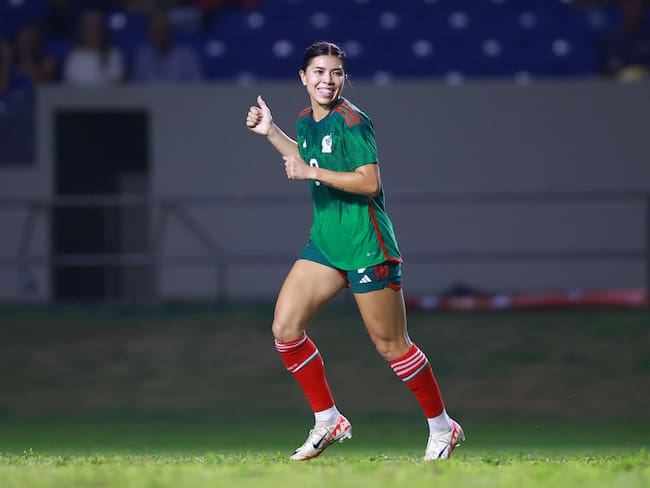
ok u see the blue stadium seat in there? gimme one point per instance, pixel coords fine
(242, 45)
(423, 38)
(127, 31)
(14, 14)
(384, 39)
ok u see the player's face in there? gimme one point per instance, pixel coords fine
(324, 79)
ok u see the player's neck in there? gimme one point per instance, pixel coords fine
(319, 112)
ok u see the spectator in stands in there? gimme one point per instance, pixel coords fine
(29, 61)
(161, 60)
(94, 61)
(625, 52)
(23, 65)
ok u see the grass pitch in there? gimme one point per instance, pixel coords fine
(579, 366)
(383, 453)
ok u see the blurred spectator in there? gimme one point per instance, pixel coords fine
(625, 52)
(16, 100)
(23, 65)
(93, 61)
(29, 60)
(161, 60)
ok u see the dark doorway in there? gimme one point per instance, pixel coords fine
(99, 153)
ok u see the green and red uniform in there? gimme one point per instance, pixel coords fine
(352, 231)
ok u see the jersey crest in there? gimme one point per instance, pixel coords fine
(326, 144)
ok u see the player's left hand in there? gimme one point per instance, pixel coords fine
(297, 169)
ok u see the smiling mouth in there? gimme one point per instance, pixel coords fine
(327, 92)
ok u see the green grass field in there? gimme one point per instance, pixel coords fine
(383, 452)
(170, 398)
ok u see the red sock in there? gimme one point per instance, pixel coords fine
(413, 369)
(303, 360)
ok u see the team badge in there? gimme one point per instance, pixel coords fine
(326, 144)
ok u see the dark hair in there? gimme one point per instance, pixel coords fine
(324, 48)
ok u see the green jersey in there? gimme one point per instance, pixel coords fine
(352, 231)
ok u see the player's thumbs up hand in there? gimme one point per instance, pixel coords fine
(265, 108)
(259, 119)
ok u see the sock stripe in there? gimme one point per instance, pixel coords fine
(405, 367)
(408, 357)
(288, 346)
(298, 367)
(424, 365)
(302, 359)
(414, 370)
(408, 363)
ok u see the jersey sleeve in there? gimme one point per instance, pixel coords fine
(360, 145)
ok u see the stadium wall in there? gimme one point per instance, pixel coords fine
(479, 137)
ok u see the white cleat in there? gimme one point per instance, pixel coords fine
(442, 444)
(321, 437)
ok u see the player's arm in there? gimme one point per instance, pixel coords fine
(260, 121)
(365, 180)
(284, 144)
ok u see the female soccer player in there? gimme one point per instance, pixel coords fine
(351, 244)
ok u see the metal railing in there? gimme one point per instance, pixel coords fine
(177, 208)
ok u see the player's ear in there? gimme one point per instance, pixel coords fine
(303, 78)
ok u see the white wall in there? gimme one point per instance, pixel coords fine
(561, 136)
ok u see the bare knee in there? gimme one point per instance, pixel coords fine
(390, 349)
(286, 328)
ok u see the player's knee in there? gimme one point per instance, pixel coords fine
(285, 329)
(390, 349)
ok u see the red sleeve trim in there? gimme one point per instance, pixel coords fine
(356, 118)
(304, 113)
(346, 115)
(351, 115)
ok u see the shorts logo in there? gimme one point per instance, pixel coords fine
(382, 271)
(326, 144)
(365, 279)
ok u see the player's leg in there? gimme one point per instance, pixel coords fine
(308, 287)
(384, 315)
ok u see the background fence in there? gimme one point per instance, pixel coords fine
(217, 255)
(495, 186)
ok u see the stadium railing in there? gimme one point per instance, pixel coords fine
(166, 209)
